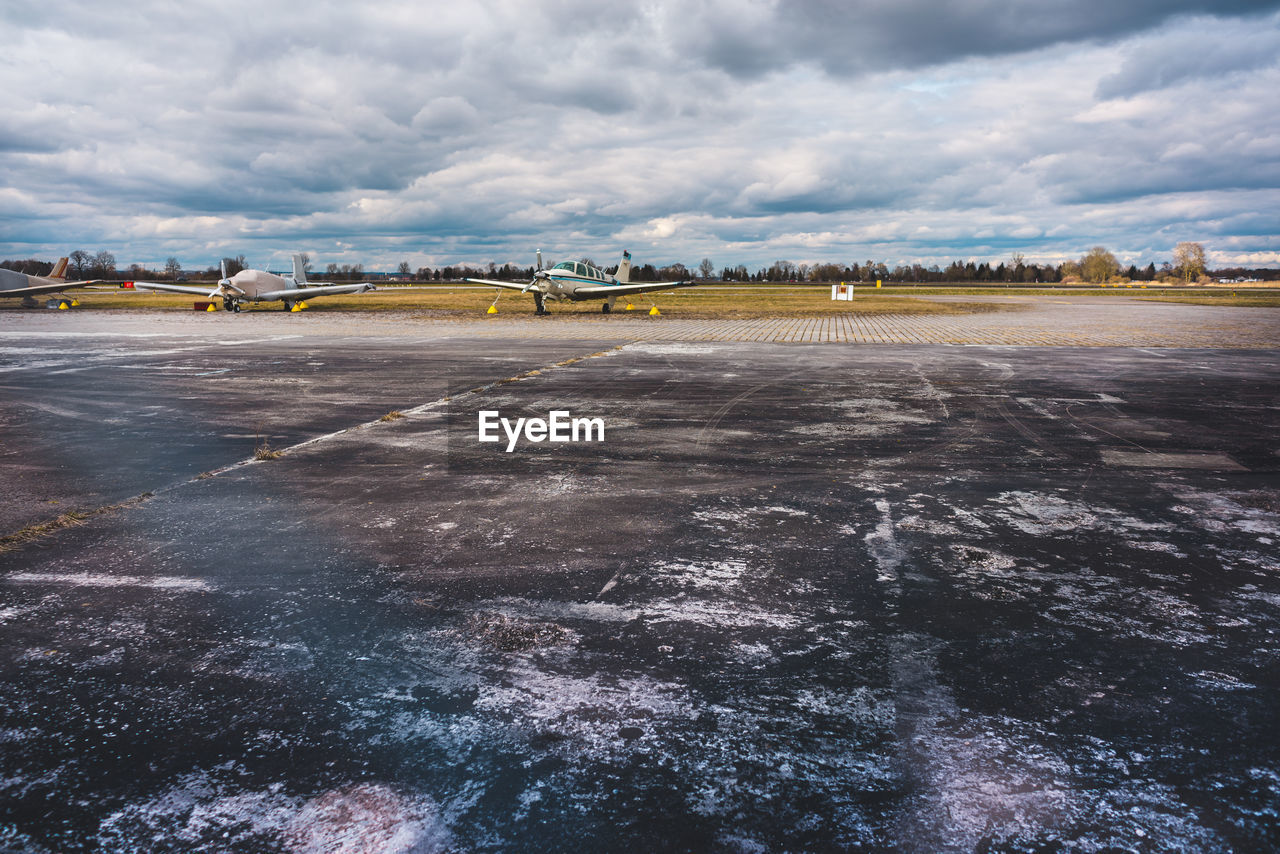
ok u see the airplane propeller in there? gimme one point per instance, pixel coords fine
(538, 273)
(223, 282)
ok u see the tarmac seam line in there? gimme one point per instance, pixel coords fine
(416, 410)
(74, 518)
(70, 519)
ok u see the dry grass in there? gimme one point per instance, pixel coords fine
(70, 519)
(1243, 300)
(393, 415)
(469, 302)
(43, 529)
(695, 303)
(264, 452)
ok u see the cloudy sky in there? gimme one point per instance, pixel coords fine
(809, 130)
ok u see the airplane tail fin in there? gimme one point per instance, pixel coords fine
(624, 268)
(299, 271)
(59, 272)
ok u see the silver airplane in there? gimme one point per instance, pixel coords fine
(21, 285)
(575, 281)
(260, 286)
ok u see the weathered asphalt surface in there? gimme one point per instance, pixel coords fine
(803, 597)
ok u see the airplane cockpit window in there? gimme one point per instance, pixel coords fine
(564, 265)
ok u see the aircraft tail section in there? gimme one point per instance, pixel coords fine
(299, 271)
(624, 268)
(59, 272)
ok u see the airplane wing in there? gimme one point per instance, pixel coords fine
(628, 288)
(317, 291)
(511, 286)
(49, 288)
(178, 289)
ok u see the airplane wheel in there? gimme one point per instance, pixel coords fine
(605, 308)
(235, 306)
(288, 306)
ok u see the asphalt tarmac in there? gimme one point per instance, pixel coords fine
(800, 597)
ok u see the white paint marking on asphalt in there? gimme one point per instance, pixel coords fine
(86, 579)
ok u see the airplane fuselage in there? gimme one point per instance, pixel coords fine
(26, 288)
(12, 281)
(564, 279)
(250, 284)
(577, 281)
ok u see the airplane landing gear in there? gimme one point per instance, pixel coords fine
(540, 303)
(231, 305)
(606, 308)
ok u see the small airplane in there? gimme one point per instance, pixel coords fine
(14, 284)
(576, 281)
(260, 286)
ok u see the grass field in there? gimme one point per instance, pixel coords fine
(446, 302)
(1271, 300)
(709, 301)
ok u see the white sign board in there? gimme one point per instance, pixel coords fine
(842, 291)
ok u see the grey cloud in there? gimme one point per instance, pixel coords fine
(446, 116)
(481, 131)
(847, 38)
(1190, 55)
(28, 140)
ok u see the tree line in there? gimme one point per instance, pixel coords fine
(1098, 265)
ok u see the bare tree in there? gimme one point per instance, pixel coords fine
(172, 268)
(306, 262)
(236, 264)
(404, 269)
(80, 263)
(104, 263)
(1018, 267)
(1188, 258)
(1098, 265)
(706, 269)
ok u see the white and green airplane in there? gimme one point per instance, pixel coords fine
(578, 282)
(14, 284)
(260, 286)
